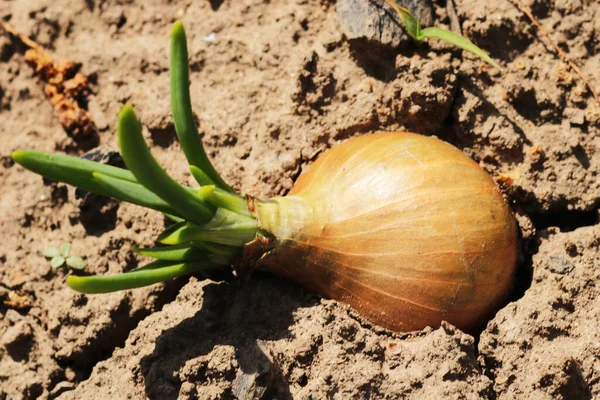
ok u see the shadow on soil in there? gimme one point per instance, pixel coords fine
(241, 315)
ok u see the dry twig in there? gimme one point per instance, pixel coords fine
(565, 58)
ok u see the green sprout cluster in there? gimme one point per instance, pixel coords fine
(60, 257)
(211, 224)
(413, 28)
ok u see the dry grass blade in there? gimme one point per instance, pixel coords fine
(10, 29)
(565, 58)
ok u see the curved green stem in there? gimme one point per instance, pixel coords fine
(230, 202)
(72, 170)
(192, 251)
(226, 228)
(180, 252)
(98, 178)
(149, 173)
(200, 176)
(155, 272)
(459, 41)
(181, 108)
(220, 197)
(132, 193)
(413, 28)
(410, 22)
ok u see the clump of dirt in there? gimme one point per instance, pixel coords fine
(273, 85)
(64, 86)
(538, 121)
(545, 345)
(295, 350)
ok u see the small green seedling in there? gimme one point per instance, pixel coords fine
(58, 257)
(413, 28)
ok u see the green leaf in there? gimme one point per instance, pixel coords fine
(149, 173)
(220, 197)
(200, 176)
(88, 175)
(65, 249)
(99, 178)
(205, 192)
(410, 22)
(226, 228)
(133, 192)
(51, 252)
(181, 252)
(75, 262)
(72, 170)
(150, 274)
(413, 28)
(174, 218)
(230, 201)
(458, 41)
(181, 107)
(173, 228)
(57, 262)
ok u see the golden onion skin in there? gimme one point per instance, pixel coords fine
(404, 228)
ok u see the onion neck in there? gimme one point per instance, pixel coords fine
(284, 217)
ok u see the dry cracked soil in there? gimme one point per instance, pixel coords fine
(274, 83)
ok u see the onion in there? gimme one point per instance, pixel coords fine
(404, 228)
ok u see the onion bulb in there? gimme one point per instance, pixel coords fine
(404, 228)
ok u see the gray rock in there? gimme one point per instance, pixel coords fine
(559, 265)
(259, 372)
(98, 213)
(376, 23)
(375, 32)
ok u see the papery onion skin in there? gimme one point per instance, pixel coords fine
(404, 228)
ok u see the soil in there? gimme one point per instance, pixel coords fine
(273, 85)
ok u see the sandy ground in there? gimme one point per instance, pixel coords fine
(279, 84)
